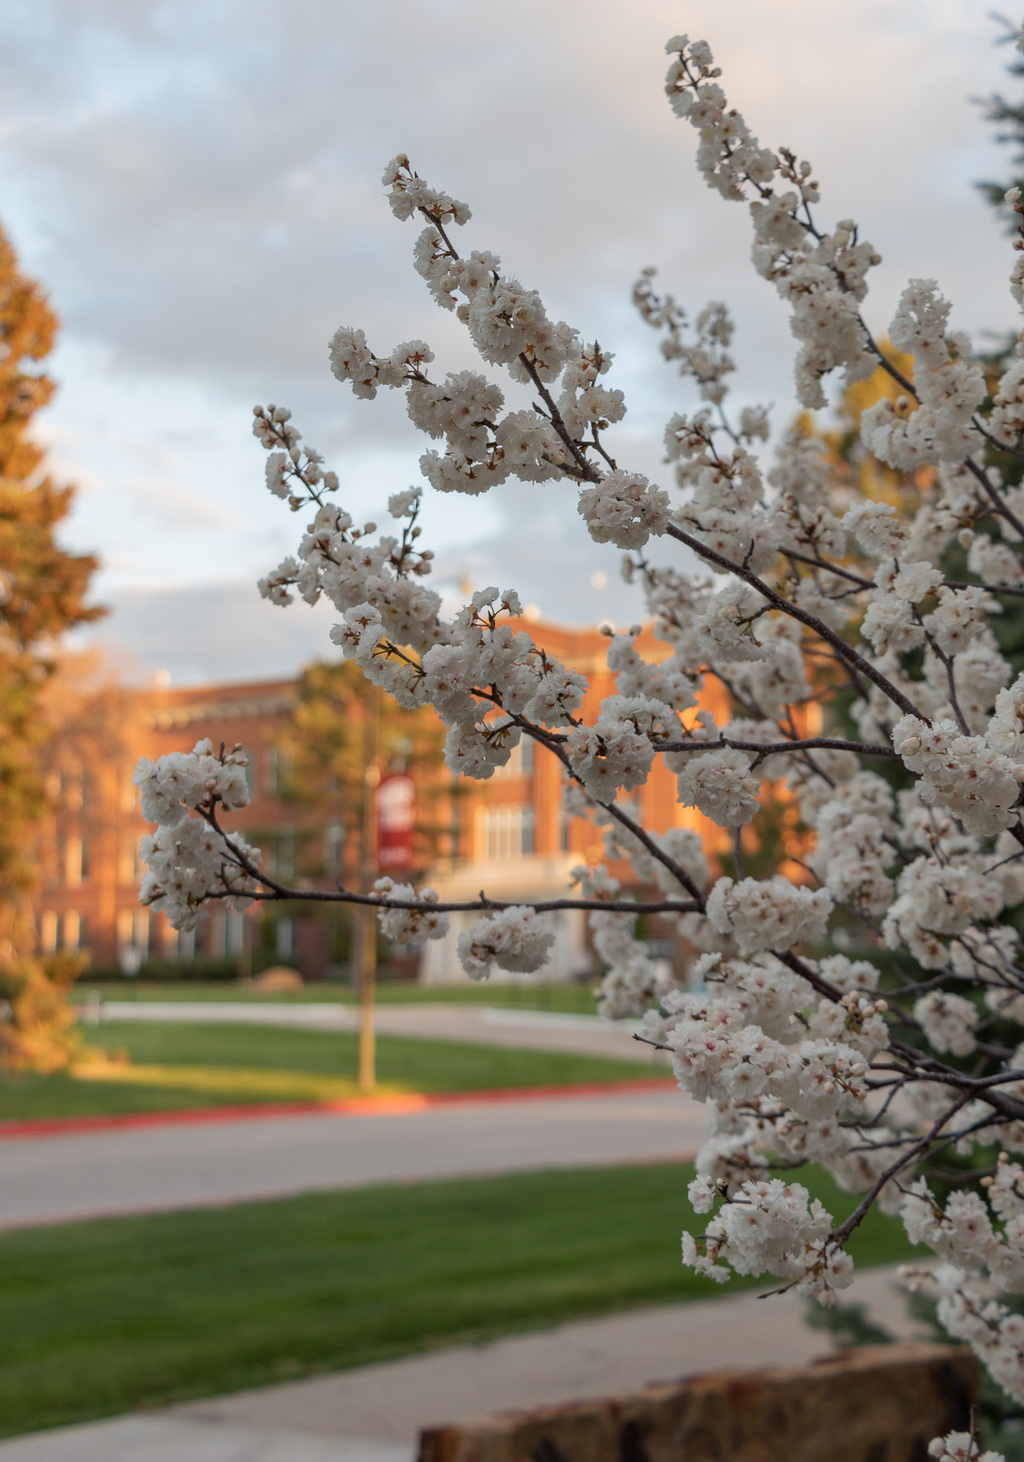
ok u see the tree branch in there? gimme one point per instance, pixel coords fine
(818, 626)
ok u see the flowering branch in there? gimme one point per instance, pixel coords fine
(824, 602)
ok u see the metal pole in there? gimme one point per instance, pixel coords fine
(367, 926)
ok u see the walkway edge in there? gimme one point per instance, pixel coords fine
(390, 1105)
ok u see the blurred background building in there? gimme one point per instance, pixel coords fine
(320, 818)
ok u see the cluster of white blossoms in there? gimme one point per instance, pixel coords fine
(770, 1227)
(189, 860)
(172, 786)
(872, 715)
(960, 1447)
(624, 509)
(189, 864)
(769, 914)
(948, 388)
(410, 925)
(514, 939)
(720, 785)
(961, 774)
(821, 276)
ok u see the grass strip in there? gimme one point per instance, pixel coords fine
(567, 999)
(106, 1316)
(233, 1056)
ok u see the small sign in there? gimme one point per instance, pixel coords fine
(396, 821)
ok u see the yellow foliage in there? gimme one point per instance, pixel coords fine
(37, 1022)
(904, 491)
(864, 394)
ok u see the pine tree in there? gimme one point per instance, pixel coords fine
(1008, 119)
(42, 594)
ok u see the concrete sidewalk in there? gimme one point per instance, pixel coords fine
(141, 1169)
(372, 1414)
(481, 1025)
(167, 1439)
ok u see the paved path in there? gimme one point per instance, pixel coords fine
(131, 1170)
(480, 1024)
(372, 1414)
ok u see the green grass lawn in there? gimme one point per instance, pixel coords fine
(410, 1064)
(574, 999)
(102, 1317)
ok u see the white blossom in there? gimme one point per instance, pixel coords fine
(410, 926)
(978, 785)
(514, 939)
(719, 784)
(773, 914)
(948, 1021)
(960, 1447)
(188, 864)
(1005, 733)
(182, 780)
(624, 509)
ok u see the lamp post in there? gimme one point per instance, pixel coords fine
(367, 925)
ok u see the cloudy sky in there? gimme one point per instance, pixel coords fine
(198, 187)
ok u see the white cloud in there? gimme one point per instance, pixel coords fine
(198, 187)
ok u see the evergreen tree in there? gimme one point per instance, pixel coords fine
(42, 594)
(1008, 118)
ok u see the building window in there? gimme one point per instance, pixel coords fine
(234, 932)
(124, 929)
(279, 764)
(252, 780)
(284, 856)
(73, 791)
(131, 867)
(48, 932)
(73, 862)
(284, 937)
(72, 930)
(217, 934)
(520, 761)
(133, 927)
(334, 847)
(140, 931)
(508, 832)
(565, 817)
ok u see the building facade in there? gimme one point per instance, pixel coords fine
(510, 836)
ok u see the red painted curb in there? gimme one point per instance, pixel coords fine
(389, 1105)
(525, 1093)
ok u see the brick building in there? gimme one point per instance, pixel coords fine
(509, 836)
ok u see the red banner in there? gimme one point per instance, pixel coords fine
(396, 820)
